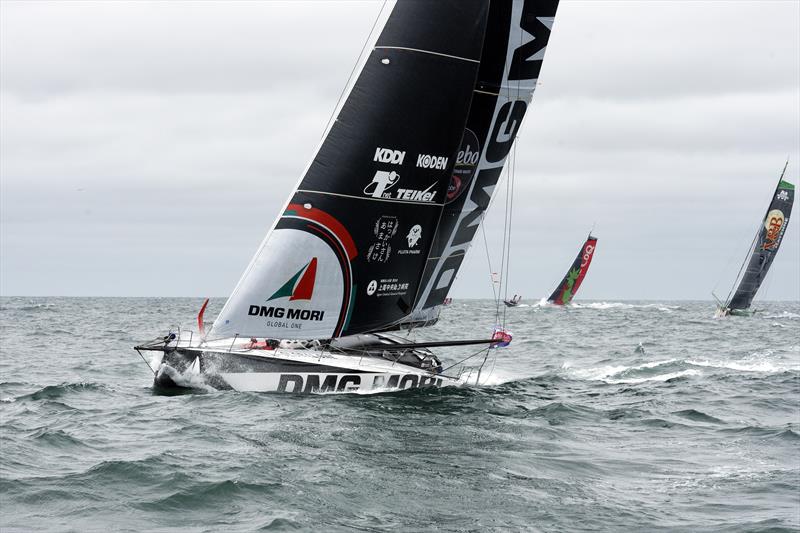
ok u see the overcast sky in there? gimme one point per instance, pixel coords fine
(146, 147)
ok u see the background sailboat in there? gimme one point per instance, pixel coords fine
(372, 237)
(762, 250)
(568, 287)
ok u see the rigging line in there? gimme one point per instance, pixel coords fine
(355, 66)
(511, 212)
(488, 256)
(480, 368)
(750, 250)
(503, 249)
(463, 360)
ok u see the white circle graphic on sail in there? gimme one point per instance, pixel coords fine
(295, 290)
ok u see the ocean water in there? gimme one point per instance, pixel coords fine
(603, 416)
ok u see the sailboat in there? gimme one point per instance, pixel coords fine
(514, 301)
(762, 251)
(566, 290)
(372, 237)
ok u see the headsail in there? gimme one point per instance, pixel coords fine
(572, 280)
(348, 252)
(765, 246)
(513, 51)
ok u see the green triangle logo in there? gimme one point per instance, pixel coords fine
(288, 287)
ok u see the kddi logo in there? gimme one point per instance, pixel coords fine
(385, 155)
(431, 161)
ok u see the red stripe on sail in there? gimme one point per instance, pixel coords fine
(588, 253)
(326, 220)
(305, 287)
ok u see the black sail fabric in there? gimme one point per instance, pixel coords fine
(513, 51)
(765, 246)
(347, 254)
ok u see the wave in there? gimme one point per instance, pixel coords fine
(29, 307)
(667, 369)
(785, 314)
(53, 392)
(752, 364)
(698, 416)
(200, 495)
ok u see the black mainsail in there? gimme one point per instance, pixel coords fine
(764, 248)
(348, 252)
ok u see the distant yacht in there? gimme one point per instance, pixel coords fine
(762, 251)
(574, 277)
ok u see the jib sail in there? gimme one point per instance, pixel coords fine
(765, 245)
(572, 280)
(513, 51)
(348, 252)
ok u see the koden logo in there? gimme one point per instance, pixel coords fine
(386, 155)
(431, 161)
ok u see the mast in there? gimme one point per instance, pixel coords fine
(765, 245)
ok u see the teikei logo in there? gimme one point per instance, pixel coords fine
(431, 161)
(298, 287)
(383, 181)
(386, 155)
(587, 254)
(774, 225)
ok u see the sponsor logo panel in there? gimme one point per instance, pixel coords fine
(436, 162)
(389, 156)
(774, 225)
(587, 254)
(299, 293)
(387, 287)
(466, 163)
(412, 238)
(319, 383)
(384, 229)
(384, 181)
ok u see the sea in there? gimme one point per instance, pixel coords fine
(600, 416)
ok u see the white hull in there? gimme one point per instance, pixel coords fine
(299, 371)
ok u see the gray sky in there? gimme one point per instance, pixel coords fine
(145, 147)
